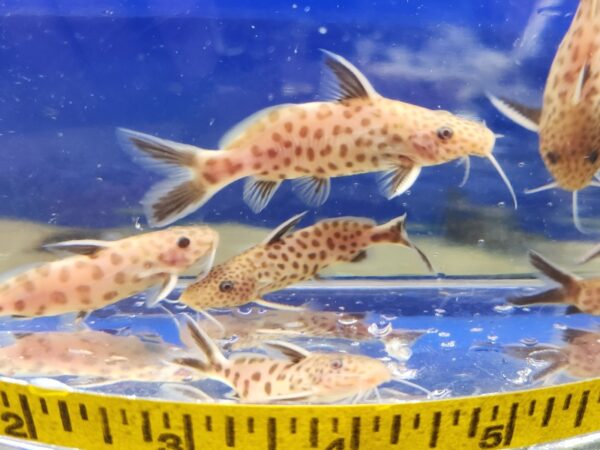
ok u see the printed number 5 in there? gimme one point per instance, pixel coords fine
(492, 437)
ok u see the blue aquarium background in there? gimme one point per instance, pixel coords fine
(188, 71)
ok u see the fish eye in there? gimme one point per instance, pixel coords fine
(336, 364)
(183, 242)
(226, 286)
(445, 133)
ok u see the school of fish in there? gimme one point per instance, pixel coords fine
(358, 131)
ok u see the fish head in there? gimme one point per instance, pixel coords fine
(229, 284)
(341, 375)
(442, 136)
(183, 248)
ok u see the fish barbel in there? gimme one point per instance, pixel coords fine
(579, 357)
(94, 357)
(581, 295)
(103, 272)
(359, 131)
(286, 258)
(303, 376)
(568, 122)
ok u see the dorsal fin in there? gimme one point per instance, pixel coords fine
(570, 334)
(526, 116)
(550, 270)
(81, 247)
(293, 352)
(283, 229)
(190, 333)
(344, 81)
(237, 130)
(584, 75)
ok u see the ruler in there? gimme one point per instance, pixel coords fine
(92, 421)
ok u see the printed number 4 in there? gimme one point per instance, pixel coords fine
(492, 437)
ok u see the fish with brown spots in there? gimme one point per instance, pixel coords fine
(579, 357)
(244, 331)
(103, 272)
(93, 357)
(359, 131)
(287, 257)
(302, 376)
(581, 295)
(568, 123)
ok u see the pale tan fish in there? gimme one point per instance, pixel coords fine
(303, 376)
(359, 131)
(93, 357)
(285, 259)
(568, 123)
(579, 357)
(103, 272)
(581, 295)
(243, 331)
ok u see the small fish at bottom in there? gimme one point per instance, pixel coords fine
(302, 376)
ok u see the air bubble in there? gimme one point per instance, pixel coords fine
(448, 344)
(322, 30)
(380, 332)
(503, 309)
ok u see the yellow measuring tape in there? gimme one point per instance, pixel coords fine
(91, 421)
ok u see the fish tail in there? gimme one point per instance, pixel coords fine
(395, 232)
(186, 187)
(557, 295)
(195, 337)
(550, 270)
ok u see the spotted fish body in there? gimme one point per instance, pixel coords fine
(581, 295)
(579, 357)
(103, 272)
(287, 259)
(303, 376)
(569, 121)
(246, 331)
(359, 132)
(98, 356)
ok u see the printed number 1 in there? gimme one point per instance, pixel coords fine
(492, 437)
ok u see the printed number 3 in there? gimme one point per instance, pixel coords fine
(171, 441)
(15, 425)
(492, 437)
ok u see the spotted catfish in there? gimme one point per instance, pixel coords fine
(569, 121)
(358, 132)
(94, 357)
(102, 272)
(579, 357)
(303, 376)
(581, 295)
(244, 331)
(286, 258)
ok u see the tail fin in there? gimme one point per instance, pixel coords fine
(557, 295)
(396, 231)
(195, 337)
(182, 192)
(550, 270)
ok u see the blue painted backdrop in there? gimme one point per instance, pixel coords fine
(188, 70)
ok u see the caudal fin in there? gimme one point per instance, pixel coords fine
(195, 338)
(182, 192)
(396, 232)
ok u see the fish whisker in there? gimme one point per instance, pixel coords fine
(498, 168)
(412, 385)
(545, 187)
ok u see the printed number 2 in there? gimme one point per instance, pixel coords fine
(171, 441)
(492, 437)
(15, 425)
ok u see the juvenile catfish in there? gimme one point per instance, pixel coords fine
(358, 131)
(302, 376)
(284, 259)
(581, 295)
(579, 357)
(568, 123)
(103, 272)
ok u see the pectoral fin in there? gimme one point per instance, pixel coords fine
(293, 352)
(161, 291)
(398, 180)
(526, 116)
(280, 306)
(258, 193)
